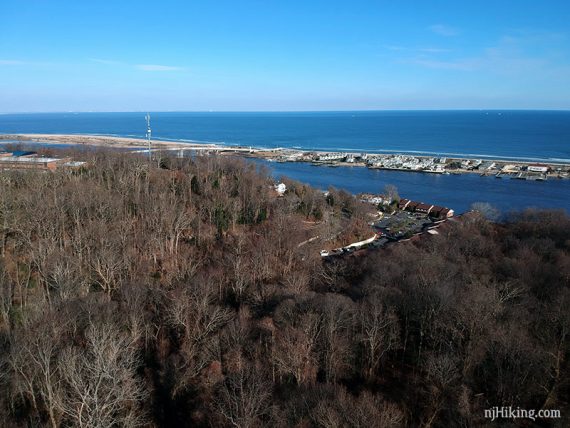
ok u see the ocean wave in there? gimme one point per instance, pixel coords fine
(186, 140)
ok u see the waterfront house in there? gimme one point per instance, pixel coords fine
(435, 211)
(441, 212)
(537, 167)
(403, 204)
(487, 165)
(412, 206)
(332, 157)
(423, 208)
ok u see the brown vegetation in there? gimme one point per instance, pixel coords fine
(133, 295)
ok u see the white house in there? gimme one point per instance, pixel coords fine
(538, 168)
(280, 188)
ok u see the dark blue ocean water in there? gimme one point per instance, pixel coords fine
(540, 135)
(528, 134)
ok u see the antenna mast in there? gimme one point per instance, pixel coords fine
(148, 133)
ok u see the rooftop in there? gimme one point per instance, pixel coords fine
(27, 160)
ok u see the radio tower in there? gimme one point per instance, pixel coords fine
(148, 133)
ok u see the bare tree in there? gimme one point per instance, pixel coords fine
(197, 318)
(294, 354)
(391, 193)
(341, 409)
(337, 333)
(101, 382)
(243, 398)
(379, 333)
(37, 368)
(442, 371)
(6, 298)
(239, 261)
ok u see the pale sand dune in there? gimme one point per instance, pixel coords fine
(98, 140)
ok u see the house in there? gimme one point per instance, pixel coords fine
(436, 211)
(412, 206)
(509, 168)
(332, 157)
(487, 165)
(423, 208)
(403, 204)
(441, 212)
(280, 188)
(431, 210)
(373, 199)
(537, 167)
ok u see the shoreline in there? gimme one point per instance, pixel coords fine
(94, 140)
(502, 168)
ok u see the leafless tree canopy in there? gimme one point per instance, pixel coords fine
(191, 294)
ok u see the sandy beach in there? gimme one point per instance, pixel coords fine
(98, 140)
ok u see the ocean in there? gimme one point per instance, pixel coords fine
(525, 135)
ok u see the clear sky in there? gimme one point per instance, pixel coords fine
(122, 55)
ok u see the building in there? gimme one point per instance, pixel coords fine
(74, 164)
(332, 157)
(487, 165)
(537, 167)
(510, 168)
(423, 208)
(441, 212)
(403, 204)
(373, 199)
(280, 188)
(30, 160)
(23, 162)
(431, 210)
(412, 206)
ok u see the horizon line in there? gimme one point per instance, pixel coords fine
(286, 111)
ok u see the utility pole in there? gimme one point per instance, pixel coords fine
(148, 135)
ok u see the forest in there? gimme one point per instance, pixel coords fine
(186, 292)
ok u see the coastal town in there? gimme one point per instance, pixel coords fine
(445, 165)
(433, 165)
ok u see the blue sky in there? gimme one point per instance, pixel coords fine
(283, 55)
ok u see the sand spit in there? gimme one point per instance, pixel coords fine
(99, 140)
